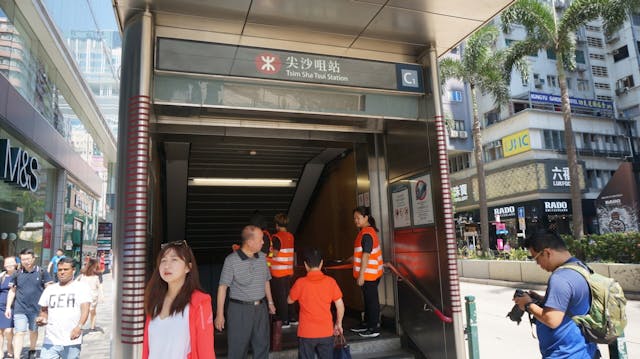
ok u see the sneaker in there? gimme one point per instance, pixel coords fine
(293, 322)
(369, 333)
(360, 329)
(286, 325)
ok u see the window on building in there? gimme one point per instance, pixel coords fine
(492, 117)
(458, 125)
(597, 57)
(493, 151)
(537, 81)
(454, 50)
(599, 71)
(459, 162)
(508, 42)
(455, 96)
(626, 81)
(552, 81)
(604, 98)
(594, 42)
(569, 83)
(601, 86)
(551, 54)
(582, 85)
(620, 53)
(553, 140)
(580, 57)
(592, 28)
(635, 18)
(525, 80)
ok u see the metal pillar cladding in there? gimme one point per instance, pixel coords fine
(447, 207)
(472, 327)
(130, 242)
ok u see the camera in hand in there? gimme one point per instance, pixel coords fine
(516, 313)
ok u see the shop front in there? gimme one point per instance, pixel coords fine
(26, 199)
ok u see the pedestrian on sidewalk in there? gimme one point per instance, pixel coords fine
(26, 285)
(89, 276)
(246, 274)
(315, 293)
(567, 294)
(179, 319)
(52, 268)
(6, 324)
(64, 309)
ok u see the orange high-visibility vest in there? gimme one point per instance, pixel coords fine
(373, 268)
(282, 264)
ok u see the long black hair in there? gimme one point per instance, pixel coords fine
(366, 212)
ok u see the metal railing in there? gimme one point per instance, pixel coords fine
(419, 293)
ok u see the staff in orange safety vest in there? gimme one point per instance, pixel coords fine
(367, 270)
(282, 261)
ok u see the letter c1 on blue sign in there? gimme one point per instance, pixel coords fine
(409, 78)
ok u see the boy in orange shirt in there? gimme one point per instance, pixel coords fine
(315, 292)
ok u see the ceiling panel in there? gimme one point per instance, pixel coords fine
(298, 34)
(337, 16)
(473, 10)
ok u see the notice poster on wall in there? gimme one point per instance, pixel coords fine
(400, 202)
(422, 200)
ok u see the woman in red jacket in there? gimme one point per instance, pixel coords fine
(179, 317)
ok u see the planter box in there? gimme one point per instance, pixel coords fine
(628, 275)
(505, 270)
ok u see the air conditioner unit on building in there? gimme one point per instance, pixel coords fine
(463, 134)
(581, 67)
(453, 134)
(621, 90)
(538, 83)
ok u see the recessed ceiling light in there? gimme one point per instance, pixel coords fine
(253, 152)
(241, 182)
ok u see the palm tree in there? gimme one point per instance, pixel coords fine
(546, 31)
(489, 71)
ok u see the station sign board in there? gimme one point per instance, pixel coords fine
(252, 62)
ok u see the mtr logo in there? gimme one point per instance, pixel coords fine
(268, 64)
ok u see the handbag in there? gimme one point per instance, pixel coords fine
(341, 349)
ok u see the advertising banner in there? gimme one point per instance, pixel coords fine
(617, 205)
(105, 231)
(422, 203)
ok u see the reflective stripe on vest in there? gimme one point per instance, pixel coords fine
(374, 266)
(282, 263)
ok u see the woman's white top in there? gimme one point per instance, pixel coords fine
(169, 337)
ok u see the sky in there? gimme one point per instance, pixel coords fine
(77, 15)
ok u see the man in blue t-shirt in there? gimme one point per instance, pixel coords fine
(26, 287)
(53, 264)
(567, 294)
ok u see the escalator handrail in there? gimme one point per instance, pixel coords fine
(417, 291)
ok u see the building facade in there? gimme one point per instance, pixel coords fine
(523, 143)
(49, 194)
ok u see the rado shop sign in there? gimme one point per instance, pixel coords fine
(556, 206)
(17, 166)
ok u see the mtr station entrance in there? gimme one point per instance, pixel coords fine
(232, 108)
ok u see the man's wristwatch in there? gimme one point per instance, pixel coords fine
(526, 307)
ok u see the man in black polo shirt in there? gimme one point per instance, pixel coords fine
(26, 286)
(246, 273)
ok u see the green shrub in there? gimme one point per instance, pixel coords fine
(613, 247)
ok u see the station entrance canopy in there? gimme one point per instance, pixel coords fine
(384, 30)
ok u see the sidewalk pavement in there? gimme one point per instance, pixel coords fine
(97, 344)
(501, 338)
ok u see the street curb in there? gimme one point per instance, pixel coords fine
(533, 286)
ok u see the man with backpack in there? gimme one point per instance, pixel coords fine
(568, 294)
(26, 286)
